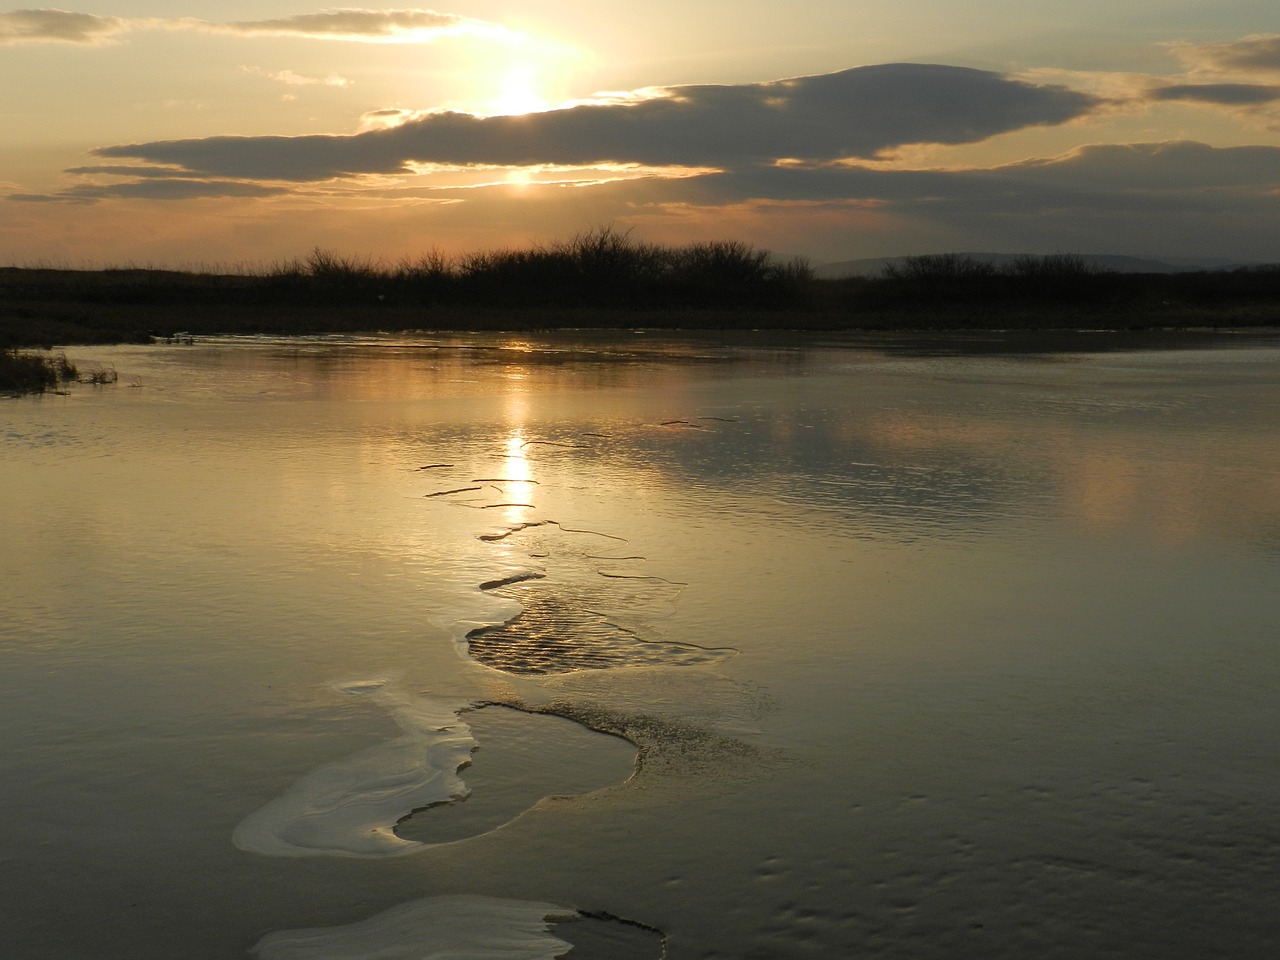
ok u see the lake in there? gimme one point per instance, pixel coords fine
(897, 647)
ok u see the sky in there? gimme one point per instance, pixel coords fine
(240, 133)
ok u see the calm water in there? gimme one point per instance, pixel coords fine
(918, 649)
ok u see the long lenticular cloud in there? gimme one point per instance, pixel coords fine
(58, 26)
(1221, 94)
(1175, 175)
(367, 26)
(856, 113)
(347, 24)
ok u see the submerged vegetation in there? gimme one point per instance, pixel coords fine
(603, 278)
(25, 372)
(22, 372)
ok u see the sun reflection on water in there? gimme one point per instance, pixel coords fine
(518, 482)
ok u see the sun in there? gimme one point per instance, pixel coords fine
(520, 178)
(518, 92)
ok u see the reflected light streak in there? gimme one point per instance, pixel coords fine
(519, 486)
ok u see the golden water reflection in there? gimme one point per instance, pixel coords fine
(1134, 453)
(191, 564)
(1166, 485)
(517, 483)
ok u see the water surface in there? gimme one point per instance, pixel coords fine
(884, 648)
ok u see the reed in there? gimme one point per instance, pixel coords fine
(23, 372)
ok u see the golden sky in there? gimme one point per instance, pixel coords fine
(249, 131)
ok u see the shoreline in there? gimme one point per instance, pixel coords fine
(576, 288)
(46, 325)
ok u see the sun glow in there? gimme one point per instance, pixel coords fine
(520, 178)
(518, 93)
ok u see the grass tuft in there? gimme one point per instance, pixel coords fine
(22, 372)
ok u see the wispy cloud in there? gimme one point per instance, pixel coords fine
(125, 170)
(854, 113)
(348, 24)
(364, 26)
(387, 118)
(1238, 77)
(1259, 53)
(58, 26)
(292, 79)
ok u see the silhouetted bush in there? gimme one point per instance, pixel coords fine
(939, 268)
(600, 268)
(426, 279)
(1055, 266)
(605, 267)
(948, 281)
(605, 278)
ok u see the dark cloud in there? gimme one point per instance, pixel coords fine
(853, 113)
(1170, 198)
(152, 189)
(1167, 175)
(1172, 166)
(1108, 198)
(1224, 94)
(1174, 197)
(56, 26)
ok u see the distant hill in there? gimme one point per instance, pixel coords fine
(1118, 264)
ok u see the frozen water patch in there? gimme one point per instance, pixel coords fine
(350, 808)
(455, 927)
(591, 607)
(604, 936)
(578, 614)
(685, 753)
(559, 634)
(522, 759)
(405, 795)
(466, 927)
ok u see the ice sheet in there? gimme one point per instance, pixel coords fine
(350, 808)
(454, 927)
(588, 608)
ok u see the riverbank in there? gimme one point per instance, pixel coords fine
(63, 323)
(604, 281)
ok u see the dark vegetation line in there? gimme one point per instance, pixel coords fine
(604, 279)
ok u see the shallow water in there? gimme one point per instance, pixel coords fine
(927, 648)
